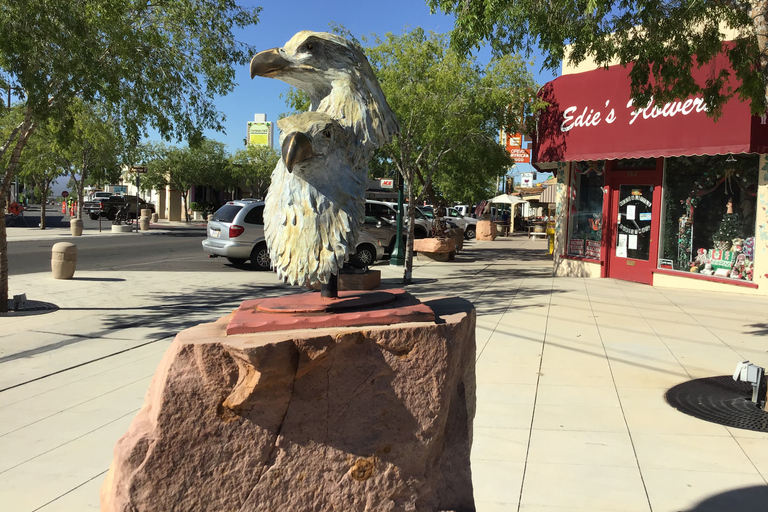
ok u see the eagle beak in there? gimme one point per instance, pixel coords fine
(297, 147)
(268, 63)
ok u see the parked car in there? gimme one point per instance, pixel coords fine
(468, 224)
(236, 231)
(109, 207)
(388, 211)
(369, 249)
(383, 230)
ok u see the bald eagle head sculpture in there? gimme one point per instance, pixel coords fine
(336, 75)
(313, 207)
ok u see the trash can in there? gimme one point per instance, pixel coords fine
(63, 260)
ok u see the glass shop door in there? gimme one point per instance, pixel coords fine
(635, 210)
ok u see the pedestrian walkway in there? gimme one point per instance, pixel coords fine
(571, 376)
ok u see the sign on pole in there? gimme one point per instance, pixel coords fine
(65, 194)
(387, 183)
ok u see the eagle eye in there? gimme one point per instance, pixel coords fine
(327, 134)
(309, 46)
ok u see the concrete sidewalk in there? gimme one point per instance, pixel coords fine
(571, 377)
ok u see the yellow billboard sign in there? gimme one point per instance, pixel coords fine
(258, 133)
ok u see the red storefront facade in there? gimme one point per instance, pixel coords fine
(642, 191)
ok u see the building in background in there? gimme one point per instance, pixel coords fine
(260, 131)
(663, 194)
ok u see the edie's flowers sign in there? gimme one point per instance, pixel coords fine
(592, 117)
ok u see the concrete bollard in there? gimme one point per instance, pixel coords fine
(76, 227)
(63, 260)
(144, 219)
(155, 218)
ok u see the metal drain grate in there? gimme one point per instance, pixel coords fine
(720, 400)
(30, 307)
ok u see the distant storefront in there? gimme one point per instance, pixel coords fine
(662, 195)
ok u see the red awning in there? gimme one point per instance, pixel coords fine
(591, 117)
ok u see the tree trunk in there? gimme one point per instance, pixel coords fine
(411, 216)
(26, 130)
(186, 211)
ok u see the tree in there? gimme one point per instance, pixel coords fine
(254, 165)
(41, 167)
(181, 168)
(446, 104)
(93, 148)
(145, 63)
(662, 41)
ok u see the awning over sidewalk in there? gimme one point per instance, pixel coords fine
(591, 117)
(549, 195)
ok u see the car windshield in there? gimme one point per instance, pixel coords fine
(226, 213)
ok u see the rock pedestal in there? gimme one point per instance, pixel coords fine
(351, 419)
(486, 230)
(435, 249)
(63, 260)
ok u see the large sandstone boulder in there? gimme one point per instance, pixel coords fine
(485, 230)
(345, 419)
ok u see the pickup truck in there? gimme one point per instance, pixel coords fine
(109, 208)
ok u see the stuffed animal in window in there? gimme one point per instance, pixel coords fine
(739, 266)
(701, 259)
(708, 270)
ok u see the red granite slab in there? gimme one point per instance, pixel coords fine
(310, 310)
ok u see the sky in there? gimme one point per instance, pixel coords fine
(279, 21)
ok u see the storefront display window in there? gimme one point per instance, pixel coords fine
(709, 215)
(586, 209)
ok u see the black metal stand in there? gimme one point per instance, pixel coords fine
(330, 290)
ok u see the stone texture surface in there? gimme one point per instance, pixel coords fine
(434, 245)
(436, 256)
(347, 419)
(457, 234)
(486, 230)
(63, 260)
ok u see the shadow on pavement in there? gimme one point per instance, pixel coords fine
(759, 329)
(177, 311)
(748, 498)
(103, 279)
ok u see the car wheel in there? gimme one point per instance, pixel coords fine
(93, 216)
(111, 214)
(237, 261)
(366, 254)
(420, 233)
(470, 232)
(260, 257)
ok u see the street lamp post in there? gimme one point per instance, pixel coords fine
(398, 251)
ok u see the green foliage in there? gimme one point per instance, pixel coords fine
(253, 166)
(672, 39)
(151, 63)
(181, 168)
(730, 228)
(92, 151)
(450, 110)
(297, 102)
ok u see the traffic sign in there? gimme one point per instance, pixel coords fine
(65, 194)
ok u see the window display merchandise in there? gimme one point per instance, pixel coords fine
(586, 209)
(709, 215)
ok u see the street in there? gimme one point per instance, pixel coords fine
(177, 249)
